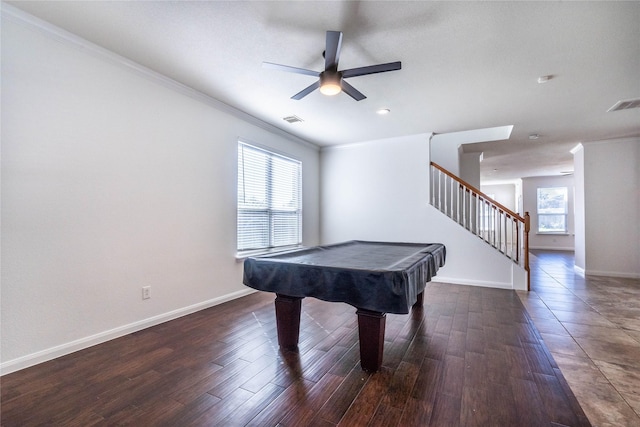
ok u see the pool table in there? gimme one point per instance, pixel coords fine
(374, 277)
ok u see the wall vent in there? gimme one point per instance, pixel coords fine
(626, 104)
(292, 119)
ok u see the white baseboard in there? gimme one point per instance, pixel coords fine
(612, 274)
(553, 248)
(464, 282)
(86, 342)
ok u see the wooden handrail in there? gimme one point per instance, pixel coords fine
(526, 220)
(478, 192)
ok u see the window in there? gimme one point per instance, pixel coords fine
(269, 199)
(552, 210)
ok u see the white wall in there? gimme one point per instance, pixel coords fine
(446, 147)
(470, 168)
(612, 207)
(579, 214)
(114, 178)
(379, 190)
(529, 194)
(505, 194)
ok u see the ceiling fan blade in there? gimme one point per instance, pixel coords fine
(332, 50)
(371, 69)
(352, 91)
(306, 91)
(289, 69)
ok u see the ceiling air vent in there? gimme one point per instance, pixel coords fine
(626, 104)
(292, 119)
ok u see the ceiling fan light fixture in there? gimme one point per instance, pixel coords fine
(330, 84)
(330, 89)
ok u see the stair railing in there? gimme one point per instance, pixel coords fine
(500, 227)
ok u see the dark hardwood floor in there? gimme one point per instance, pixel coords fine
(470, 357)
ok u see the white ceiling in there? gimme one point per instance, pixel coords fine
(465, 65)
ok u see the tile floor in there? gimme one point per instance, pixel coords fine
(591, 326)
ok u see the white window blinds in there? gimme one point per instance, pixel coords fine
(269, 199)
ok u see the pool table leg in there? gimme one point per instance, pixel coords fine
(288, 321)
(420, 300)
(371, 326)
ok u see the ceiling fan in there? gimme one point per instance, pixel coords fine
(331, 81)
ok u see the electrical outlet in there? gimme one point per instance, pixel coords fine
(146, 292)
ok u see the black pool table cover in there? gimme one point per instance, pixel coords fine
(384, 277)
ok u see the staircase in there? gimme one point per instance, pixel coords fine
(501, 228)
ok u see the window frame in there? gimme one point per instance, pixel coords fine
(564, 214)
(271, 212)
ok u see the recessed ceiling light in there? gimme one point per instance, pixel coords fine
(383, 111)
(544, 79)
(534, 136)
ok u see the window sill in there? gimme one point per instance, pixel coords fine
(241, 256)
(551, 233)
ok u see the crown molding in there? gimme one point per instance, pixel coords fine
(427, 137)
(22, 18)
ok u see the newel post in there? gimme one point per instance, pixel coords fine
(527, 227)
